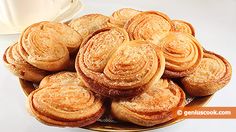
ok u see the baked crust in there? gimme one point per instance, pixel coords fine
(19, 67)
(121, 16)
(212, 75)
(183, 54)
(72, 106)
(113, 67)
(88, 24)
(149, 25)
(154, 106)
(183, 26)
(39, 45)
(63, 78)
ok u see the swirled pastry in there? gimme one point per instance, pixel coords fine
(19, 67)
(61, 79)
(89, 23)
(121, 16)
(213, 74)
(182, 26)
(113, 67)
(182, 52)
(149, 25)
(152, 107)
(72, 106)
(40, 46)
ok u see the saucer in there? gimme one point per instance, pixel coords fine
(8, 30)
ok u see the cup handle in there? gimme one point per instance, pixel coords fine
(69, 11)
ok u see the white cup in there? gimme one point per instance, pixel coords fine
(19, 14)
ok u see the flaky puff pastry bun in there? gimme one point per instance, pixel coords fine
(154, 106)
(19, 67)
(60, 32)
(213, 74)
(121, 16)
(149, 25)
(183, 54)
(183, 26)
(88, 24)
(114, 67)
(72, 106)
(41, 45)
(63, 78)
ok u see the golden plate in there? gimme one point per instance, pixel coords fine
(106, 123)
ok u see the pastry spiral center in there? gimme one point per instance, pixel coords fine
(100, 48)
(209, 69)
(43, 45)
(132, 65)
(69, 99)
(181, 51)
(151, 26)
(158, 98)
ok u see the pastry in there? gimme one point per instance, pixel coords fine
(150, 25)
(213, 74)
(113, 67)
(155, 106)
(39, 45)
(19, 67)
(62, 33)
(182, 52)
(89, 23)
(72, 106)
(63, 78)
(182, 26)
(121, 16)
(65, 35)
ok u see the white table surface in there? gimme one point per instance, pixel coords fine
(215, 24)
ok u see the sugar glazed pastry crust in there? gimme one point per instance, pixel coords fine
(19, 67)
(183, 54)
(149, 25)
(88, 24)
(113, 67)
(72, 106)
(121, 16)
(213, 74)
(39, 46)
(63, 78)
(183, 26)
(154, 106)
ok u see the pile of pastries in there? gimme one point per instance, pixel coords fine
(141, 62)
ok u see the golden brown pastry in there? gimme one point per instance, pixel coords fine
(213, 74)
(63, 78)
(154, 106)
(121, 16)
(65, 35)
(62, 33)
(182, 26)
(182, 52)
(89, 23)
(40, 46)
(149, 25)
(72, 106)
(113, 67)
(19, 67)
